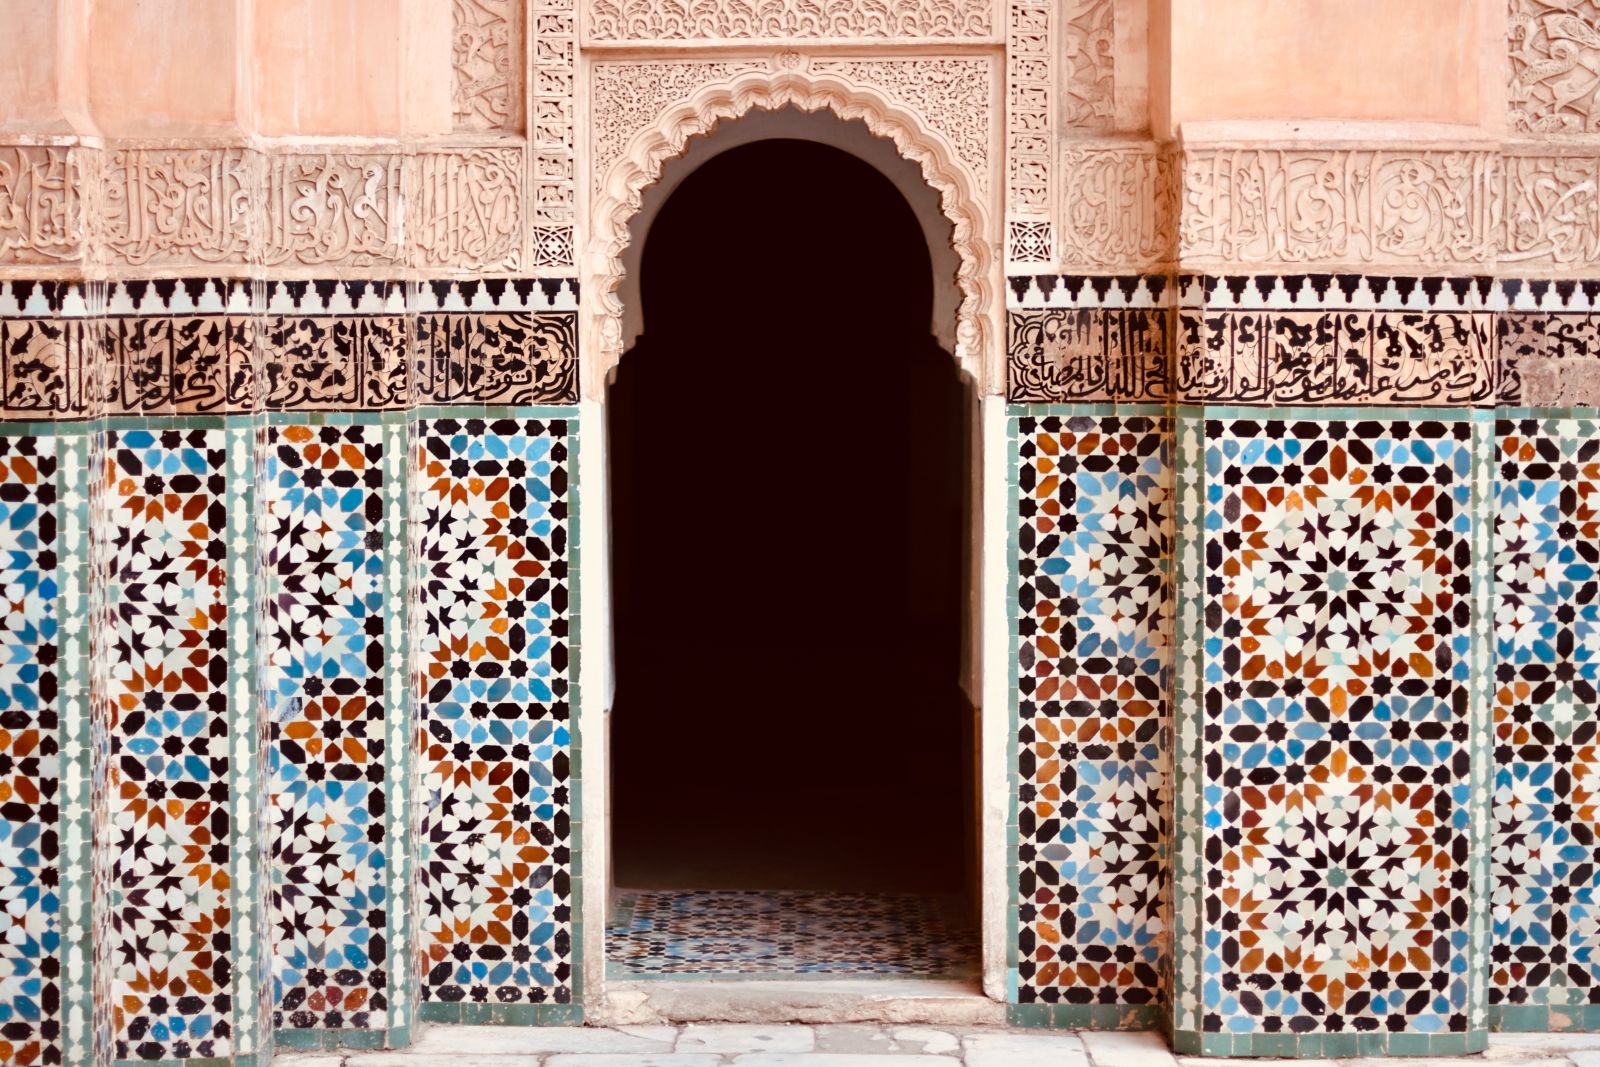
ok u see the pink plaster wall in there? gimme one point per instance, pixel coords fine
(1408, 60)
(42, 86)
(165, 67)
(328, 67)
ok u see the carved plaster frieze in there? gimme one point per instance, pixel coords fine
(175, 206)
(1030, 130)
(645, 21)
(333, 207)
(467, 210)
(645, 112)
(486, 67)
(43, 220)
(950, 96)
(1118, 207)
(553, 134)
(1548, 211)
(1554, 75)
(1423, 209)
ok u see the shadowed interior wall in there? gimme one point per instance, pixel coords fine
(788, 607)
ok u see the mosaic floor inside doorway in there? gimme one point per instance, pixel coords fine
(788, 934)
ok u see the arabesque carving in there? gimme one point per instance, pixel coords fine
(555, 57)
(1358, 206)
(1030, 100)
(41, 205)
(1549, 211)
(687, 20)
(1555, 66)
(651, 137)
(1089, 31)
(485, 57)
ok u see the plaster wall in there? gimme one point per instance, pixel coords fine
(166, 68)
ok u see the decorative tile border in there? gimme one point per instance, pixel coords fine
(1089, 354)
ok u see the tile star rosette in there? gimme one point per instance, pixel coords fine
(1093, 623)
(1337, 646)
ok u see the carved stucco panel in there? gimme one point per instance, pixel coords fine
(333, 207)
(177, 206)
(1548, 211)
(686, 20)
(467, 210)
(1555, 66)
(1119, 203)
(486, 47)
(42, 216)
(1089, 36)
(1417, 209)
(657, 106)
(951, 96)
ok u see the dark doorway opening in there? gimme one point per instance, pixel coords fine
(788, 450)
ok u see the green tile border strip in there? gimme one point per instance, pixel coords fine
(402, 842)
(1321, 1045)
(477, 1014)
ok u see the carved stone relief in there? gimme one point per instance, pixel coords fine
(176, 206)
(485, 57)
(684, 20)
(1555, 66)
(1424, 209)
(1118, 207)
(42, 218)
(467, 210)
(1549, 211)
(555, 54)
(1030, 129)
(1089, 35)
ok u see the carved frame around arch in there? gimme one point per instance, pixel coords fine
(789, 83)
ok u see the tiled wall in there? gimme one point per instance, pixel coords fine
(318, 780)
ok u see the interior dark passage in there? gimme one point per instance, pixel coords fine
(789, 470)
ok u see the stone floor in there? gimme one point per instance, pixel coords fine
(864, 1045)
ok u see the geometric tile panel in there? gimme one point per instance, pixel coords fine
(1094, 624)
(326, 629)
(180, 952)
(31, 978)
(1546, 706)
(493, 676)
(787, 934)
(1336, 695)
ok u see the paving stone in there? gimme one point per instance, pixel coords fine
(745, 1037)
(1109, 1048)
(308, 1059)
(855, 1038)
(825, 1059)
(1215, 1061)
(499, 1040)
(409, 1058)
(925, 1039)
(1583, 1058)
(1024, 1050)
(629, 1059)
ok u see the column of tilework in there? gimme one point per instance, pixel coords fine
(1334, 519)
(1546, 696)
(494, 661)
(1090, 515)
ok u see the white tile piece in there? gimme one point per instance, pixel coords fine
(630, 1059)
(926, 1039)
(823, 1059)
(531, 1040)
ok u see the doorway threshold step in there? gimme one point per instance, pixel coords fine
(924, 1001)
